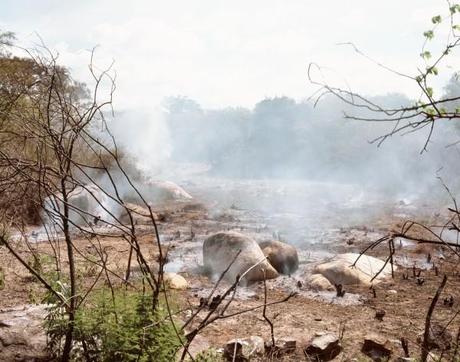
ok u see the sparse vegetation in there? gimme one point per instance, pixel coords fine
(209, 355)
(50, 152)
(120, 327)
(98, 261)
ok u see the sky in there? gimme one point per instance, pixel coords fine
(229, 53)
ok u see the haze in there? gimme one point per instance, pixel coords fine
(228, 53)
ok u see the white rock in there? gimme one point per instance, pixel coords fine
(339, 270)
(244, 348)
(175, 281)
(319, 282)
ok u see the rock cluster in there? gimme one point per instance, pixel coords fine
(241, 254)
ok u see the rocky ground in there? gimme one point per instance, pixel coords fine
(357, 315)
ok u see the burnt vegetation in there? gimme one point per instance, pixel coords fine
(61, 168)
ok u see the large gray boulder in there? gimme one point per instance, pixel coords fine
(283, 257)
(219, 250)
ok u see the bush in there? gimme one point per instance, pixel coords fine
(209, 355)
(122, 327)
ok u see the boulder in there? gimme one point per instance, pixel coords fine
(318, 282)
(22, 335)
(198, 350)
(219, 251)
(244, 349)
(340, 269)
(283, 257)
(377, 348)
(175, 281)
(323, 347)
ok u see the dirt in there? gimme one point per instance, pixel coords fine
(183, 229)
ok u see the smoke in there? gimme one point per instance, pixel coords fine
(284, 139)
(144, 136)
(284, 155)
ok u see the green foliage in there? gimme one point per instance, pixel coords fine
(25, 85)
(35, 262)
(45, 266)
(429, 34)
(123, 328)
(455, 9)
(209, 355)
(426, 54)
(436, 19)
(432, 70)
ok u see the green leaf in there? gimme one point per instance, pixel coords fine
(457, 110)
(418, 78)
(429, 34)
(432, 70)
(436, 19)
(426, 54)
(455, 8)
(429, 91)
(456, 27)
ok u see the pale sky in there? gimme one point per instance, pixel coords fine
(229, 53)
